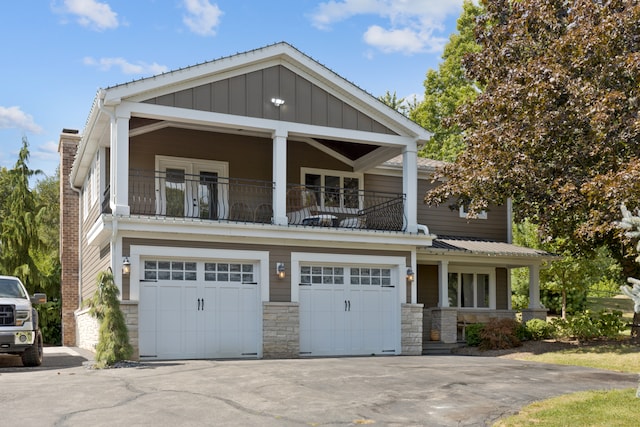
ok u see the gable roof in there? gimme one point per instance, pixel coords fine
(278, 54)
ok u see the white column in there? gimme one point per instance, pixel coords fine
(120, 163)
(414, 284)
(280, 177)
(443, 283)
(534, 286)
(410, 186)
(509, 306)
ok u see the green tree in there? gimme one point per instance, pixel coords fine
(113, 336)
(556, 127)
(448, 88)
(19, 237)
(391, 100)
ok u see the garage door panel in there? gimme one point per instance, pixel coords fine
(354, 315)
(195, 318)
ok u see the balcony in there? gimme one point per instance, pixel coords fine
(206, 196)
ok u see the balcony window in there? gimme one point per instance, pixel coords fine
(334, 188)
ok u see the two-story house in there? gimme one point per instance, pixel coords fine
(260, 205)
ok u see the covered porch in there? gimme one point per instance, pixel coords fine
(464, 281)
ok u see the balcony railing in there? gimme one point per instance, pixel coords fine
(207, 196)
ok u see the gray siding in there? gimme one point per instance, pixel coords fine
(442, 220)
(250, 95)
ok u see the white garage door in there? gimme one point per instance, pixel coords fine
(347, 310)
(197, 309)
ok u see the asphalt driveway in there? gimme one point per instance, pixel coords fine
(387, 391)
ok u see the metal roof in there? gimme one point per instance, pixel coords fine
(484, 247)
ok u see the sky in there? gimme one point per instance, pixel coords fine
(58, 53)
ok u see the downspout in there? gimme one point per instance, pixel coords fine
(423, 228)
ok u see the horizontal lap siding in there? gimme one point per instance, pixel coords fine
(502, 288)
(280, 290)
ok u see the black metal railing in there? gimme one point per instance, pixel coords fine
(345, 208)
(173, 193)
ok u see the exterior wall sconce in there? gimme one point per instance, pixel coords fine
(126, 266)
(280, 270)
(277, 101)
(410, 274)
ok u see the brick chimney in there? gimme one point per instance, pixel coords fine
(69, 236)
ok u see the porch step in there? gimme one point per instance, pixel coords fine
(438, 347)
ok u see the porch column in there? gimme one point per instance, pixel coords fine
(410, 186)
(120, 163)
(534, 286)
(443, 283)
(280, 177)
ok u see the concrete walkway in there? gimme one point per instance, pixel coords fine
(385, 391)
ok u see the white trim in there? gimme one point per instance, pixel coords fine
(138, 251)
(192, 167)
(323, 173)
(464, 214)
(491, 272)
(394, 262)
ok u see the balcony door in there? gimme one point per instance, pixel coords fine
(191, 187)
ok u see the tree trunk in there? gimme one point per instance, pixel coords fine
(635, 326)
(564, 304)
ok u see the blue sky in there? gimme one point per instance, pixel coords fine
(58, 53)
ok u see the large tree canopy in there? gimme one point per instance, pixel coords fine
(448, 88)
(556, 127)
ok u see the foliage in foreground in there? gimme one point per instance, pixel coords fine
(590, 325)
(590, 408)
(113, 339)
(557, 78)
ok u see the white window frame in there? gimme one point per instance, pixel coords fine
(192, 167)
(342, 175)
(491, 272)
(465, 214)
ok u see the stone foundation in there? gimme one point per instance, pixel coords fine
(412, 329)
(534, 313)
(88, 327)
(280, 330)
(444, 325)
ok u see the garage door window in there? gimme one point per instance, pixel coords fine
(169, 270)
(228, 272)
(321, 275)
(371, 276)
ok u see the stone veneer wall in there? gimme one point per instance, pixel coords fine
(130, 311)
(88, 327)
(280, 330)
(412, 329)
(445, 322)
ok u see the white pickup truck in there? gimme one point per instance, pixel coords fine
(19, 331)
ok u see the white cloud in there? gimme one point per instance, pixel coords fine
(126, 67)
(14, 117)
(410, 23)
(93, 14)
(202, 17)
(46, 151)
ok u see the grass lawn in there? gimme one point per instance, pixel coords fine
(592, 408)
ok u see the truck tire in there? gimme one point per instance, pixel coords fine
(32, 356)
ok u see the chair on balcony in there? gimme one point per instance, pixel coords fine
(301, 204)
(263, 213)
(240, 211)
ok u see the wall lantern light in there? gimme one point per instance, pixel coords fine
(410, 274)
(280, 270)
(277, 101)
(126, 266)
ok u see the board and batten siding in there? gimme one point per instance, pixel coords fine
(250, 95)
